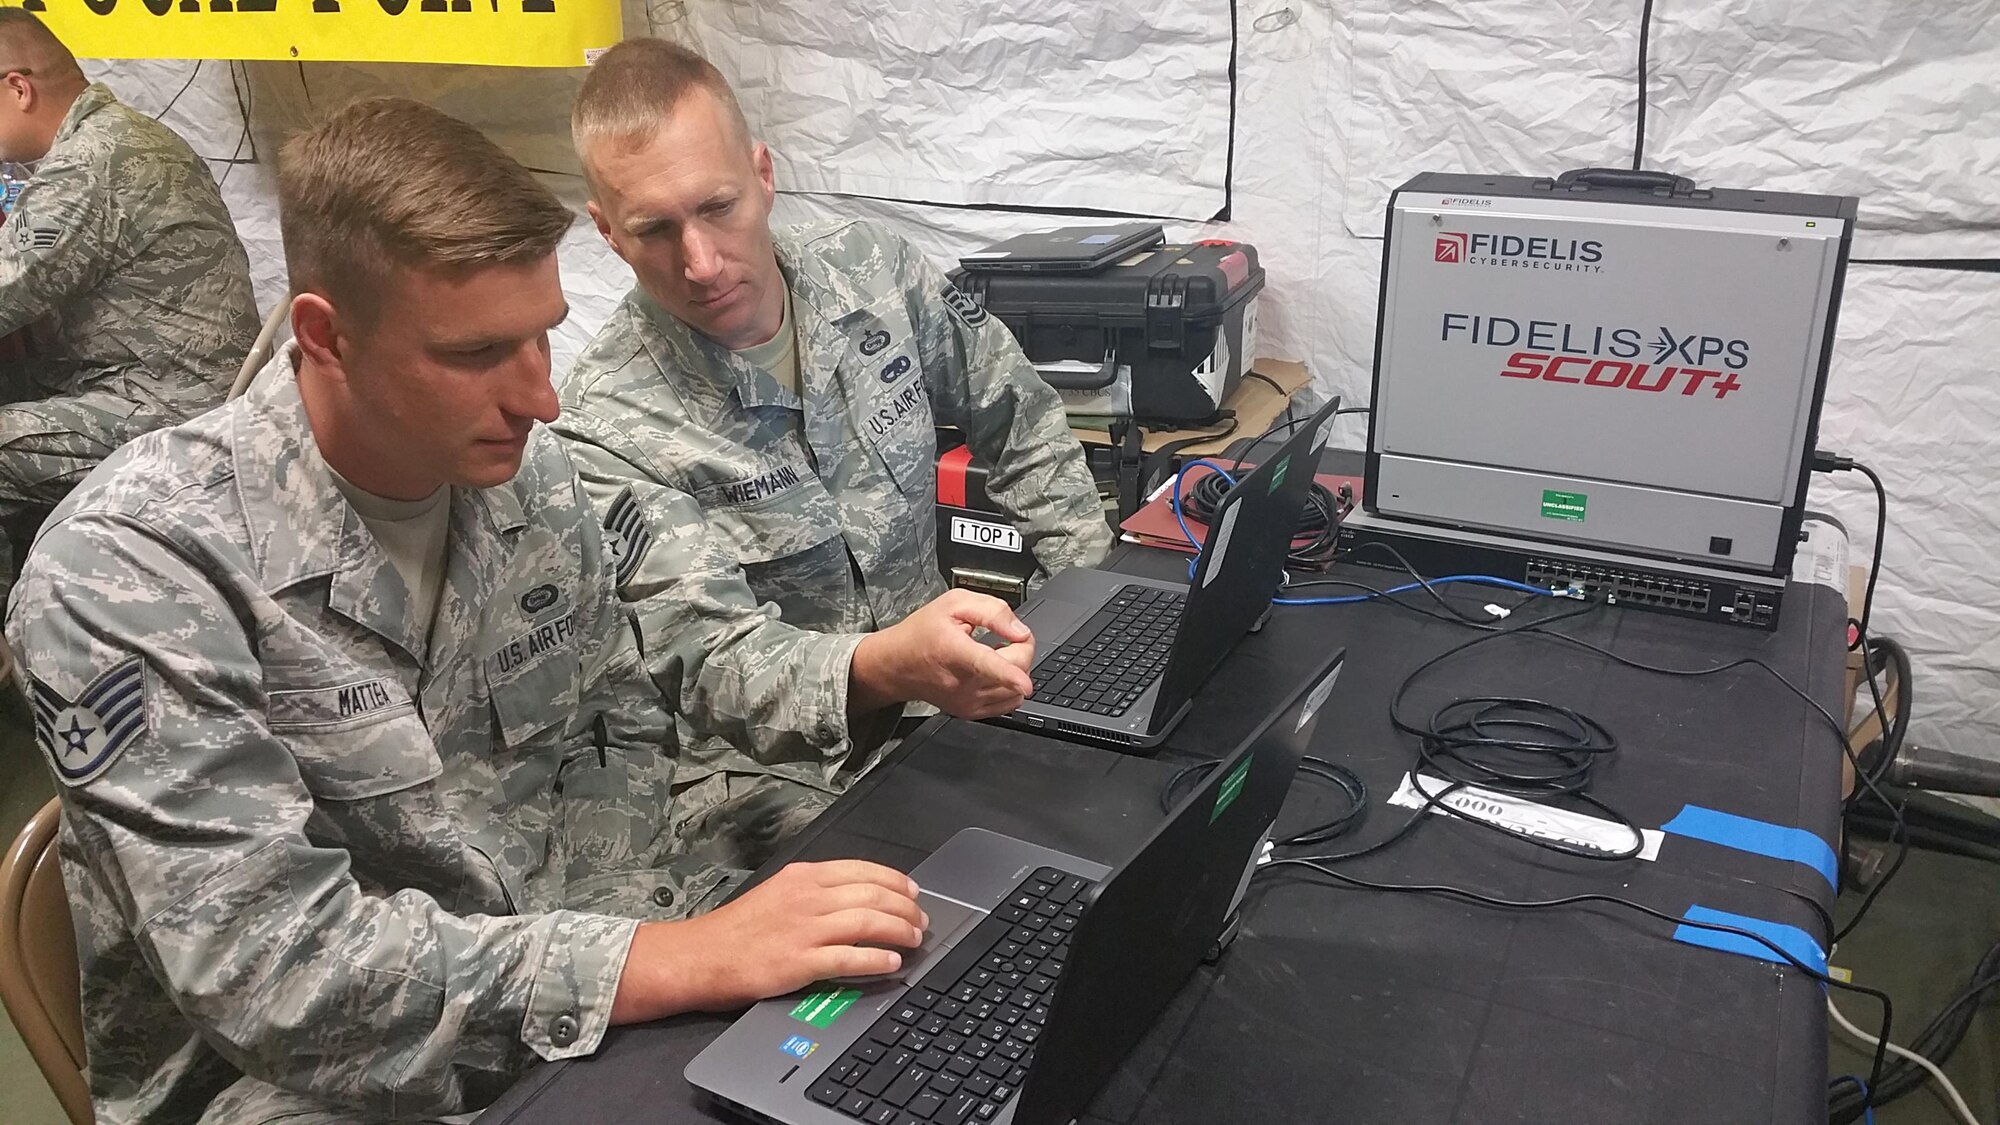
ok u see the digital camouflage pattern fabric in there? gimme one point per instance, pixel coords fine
(761, 536)
(121, 259)
(328, 864)
(121, 264)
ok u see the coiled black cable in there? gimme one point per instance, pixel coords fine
(1319, 523)
(1522, 747)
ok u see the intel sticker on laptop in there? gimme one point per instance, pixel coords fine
(798, 1046)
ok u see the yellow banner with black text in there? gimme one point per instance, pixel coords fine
(488, 32)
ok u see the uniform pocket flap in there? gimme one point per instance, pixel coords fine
(351, 763)
(779, 528)
(535, 679)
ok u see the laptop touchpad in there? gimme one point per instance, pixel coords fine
(1049, 619)
(949, 922)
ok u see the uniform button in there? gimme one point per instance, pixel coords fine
(563, 1031)
(663, 896)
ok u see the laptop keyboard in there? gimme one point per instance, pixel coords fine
(955, 1048)
(1106, 669)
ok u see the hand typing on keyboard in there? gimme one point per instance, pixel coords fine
(1109, 663)
(932, 655)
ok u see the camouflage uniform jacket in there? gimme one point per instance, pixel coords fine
(757, 550)
(122, 257)
(303, 841)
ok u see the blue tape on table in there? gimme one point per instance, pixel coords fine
(1758, 837)
(1791, 939)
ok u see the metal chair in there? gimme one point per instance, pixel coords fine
(260, 352)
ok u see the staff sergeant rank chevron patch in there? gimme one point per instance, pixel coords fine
(83, 737)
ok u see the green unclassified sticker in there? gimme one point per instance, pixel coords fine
(1278, 475)
(821, 1008)
(1562, 505)
(1232, 786)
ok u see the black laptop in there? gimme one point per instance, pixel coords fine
(1040, 970)
(1118, 657)
(1067, 250)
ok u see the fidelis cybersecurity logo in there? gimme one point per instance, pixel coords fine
(1664, 359)
(1517, 251)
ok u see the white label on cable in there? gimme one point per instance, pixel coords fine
(979, 533)
(1518, 814)
(1318, 697)
(1219, 545)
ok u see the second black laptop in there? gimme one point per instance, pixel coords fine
(1118, 657)
(1067, 250)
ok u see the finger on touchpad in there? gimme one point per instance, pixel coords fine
(949, 920)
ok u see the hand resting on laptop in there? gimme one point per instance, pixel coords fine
(931, 655)
(809, 922)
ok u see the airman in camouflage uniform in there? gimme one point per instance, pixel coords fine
(765, 534)
(338, 850)
(121, 264)
(768, 528)
(220, 656)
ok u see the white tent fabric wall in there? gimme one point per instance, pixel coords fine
(1115, 105)
(1109, 106)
